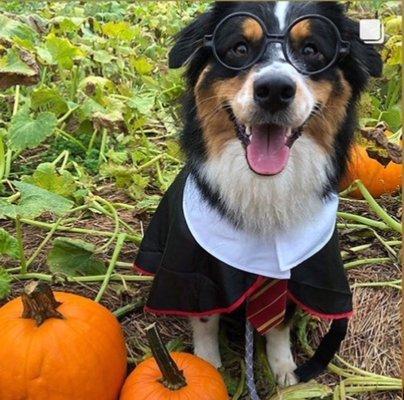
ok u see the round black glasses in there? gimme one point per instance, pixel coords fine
(312, 43)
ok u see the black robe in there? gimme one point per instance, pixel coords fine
(191, 282)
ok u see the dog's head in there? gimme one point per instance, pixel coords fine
(267, 75)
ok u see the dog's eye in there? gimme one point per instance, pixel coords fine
(240, 49)
(309, 50)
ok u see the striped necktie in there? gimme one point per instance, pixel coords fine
(266, 306)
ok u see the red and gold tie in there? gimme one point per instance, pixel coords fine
(266, 306)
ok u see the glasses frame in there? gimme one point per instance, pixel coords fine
(342, 49)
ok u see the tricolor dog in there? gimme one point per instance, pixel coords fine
(269, 118)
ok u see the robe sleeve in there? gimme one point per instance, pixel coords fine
(320, 285)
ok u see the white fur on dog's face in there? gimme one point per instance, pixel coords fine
(265, 203)
(245, 108)
(248, 112)
(281, 9)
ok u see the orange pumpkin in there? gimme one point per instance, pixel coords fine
(59, 346)
(377, 178)
(175, 376)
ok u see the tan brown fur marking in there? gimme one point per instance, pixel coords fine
(216, 125)
(324, 126)
(252, 30)
(301, 30)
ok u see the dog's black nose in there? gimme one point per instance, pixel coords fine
(274, 93)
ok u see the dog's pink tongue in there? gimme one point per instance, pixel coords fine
(267, 153)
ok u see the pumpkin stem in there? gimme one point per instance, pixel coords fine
(39, 303)
(173, 378)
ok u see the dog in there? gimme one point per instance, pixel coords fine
(269, 119)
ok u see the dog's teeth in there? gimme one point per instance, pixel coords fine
(291, 132)
(248, 131)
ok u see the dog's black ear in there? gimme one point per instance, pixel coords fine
(362, 54)
(189, 40)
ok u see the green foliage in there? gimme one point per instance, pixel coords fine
(11, 63)
(109, 64)
(11, 29)
(142, 65)
(120, 30)
(60, 51)
(392, 51)
(49, 99)
(5, 283)
(27, 132)
(74, 257)
(143, 103)
(7, 209)
(46, 177)
(8, 246)
(34, 202)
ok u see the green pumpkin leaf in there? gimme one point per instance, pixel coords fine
(5, 283)
(7, 209)
(119, 30)
(27, 132)
(11, 63)
(68, 24)
(8, 245)
(103, 57)
(90, 83)
(142, 66)
(59, 51)
(392, 117)
(74, 257)
(48, 99)
(89, 107)
(143, 103)
(11, 29)
(35, 201)
(46, 177)
(18, 68)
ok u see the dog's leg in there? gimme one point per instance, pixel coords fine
(280, 355)
(206, 339)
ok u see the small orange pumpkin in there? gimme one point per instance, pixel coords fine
(377, 178)
(59, 346)
(175, 376)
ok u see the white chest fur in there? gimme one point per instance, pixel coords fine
(265, 203)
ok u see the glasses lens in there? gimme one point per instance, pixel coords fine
(238, 41)
(312, 44)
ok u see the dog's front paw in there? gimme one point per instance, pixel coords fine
(309, 370)
(284, 373)
(212, 356)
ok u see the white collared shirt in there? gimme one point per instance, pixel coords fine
(271, 256)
